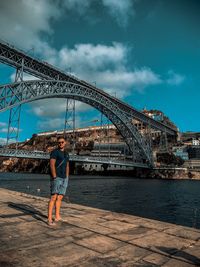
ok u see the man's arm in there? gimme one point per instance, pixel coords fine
(53, 167)
(67, 169)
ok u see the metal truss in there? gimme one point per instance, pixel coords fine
(14, 57)
(19, 93)
(12, 153)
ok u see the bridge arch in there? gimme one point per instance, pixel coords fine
(27, 91)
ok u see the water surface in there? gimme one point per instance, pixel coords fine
(174, 201)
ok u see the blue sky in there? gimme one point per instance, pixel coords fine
(147, 52)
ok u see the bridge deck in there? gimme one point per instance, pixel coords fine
(13, 153)
(89, 237)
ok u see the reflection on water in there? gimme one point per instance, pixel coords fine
(166, 200)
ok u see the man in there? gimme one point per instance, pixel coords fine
(59, 167)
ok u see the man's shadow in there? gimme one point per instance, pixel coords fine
(27, 210)
(180, 255)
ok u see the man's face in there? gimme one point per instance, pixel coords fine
(61, 143)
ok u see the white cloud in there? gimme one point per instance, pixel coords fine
(26, 77)
(92, 56)
(80, 7)
(22, 21)
(175, 78)
(3, 141)
(104, 65)
(54, 108)
(4, 130)
(3, 127)
(49, 107)
(123, 81)
(107, 67)
(3, 124)
(120, 10)
(51, 124)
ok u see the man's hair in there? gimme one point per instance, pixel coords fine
(61, 137)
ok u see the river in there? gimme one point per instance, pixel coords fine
(174, 201)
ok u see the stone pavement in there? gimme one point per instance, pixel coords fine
(89, 238)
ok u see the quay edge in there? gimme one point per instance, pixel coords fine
(89, 237)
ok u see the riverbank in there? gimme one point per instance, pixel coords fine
(18, 165)
(156, 173)
(89, 237)
(170, 173)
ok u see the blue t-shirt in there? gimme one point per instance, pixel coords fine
(61, 157)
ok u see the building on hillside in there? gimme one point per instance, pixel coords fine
(190, 138)
(193, 164)
(101, 134)
(156, 135)
(195, 142)
(159, 116)
(181, 152)
(113, 150)
(194, 152)
(84, 138)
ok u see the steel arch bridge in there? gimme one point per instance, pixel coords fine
(15, 94)
(56, 83)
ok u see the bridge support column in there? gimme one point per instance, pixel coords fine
(70, 121)
(163, 143)
(14, 116)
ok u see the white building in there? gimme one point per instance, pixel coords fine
(195, 142)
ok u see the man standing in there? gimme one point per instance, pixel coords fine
(59, 167)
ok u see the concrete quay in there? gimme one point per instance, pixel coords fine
(89, 237)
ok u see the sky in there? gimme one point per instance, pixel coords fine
(145, 52)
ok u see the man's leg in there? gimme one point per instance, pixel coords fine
(58, 205)
(51, 206)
